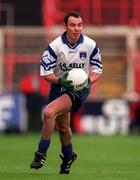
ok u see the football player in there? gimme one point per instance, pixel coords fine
(70, 50)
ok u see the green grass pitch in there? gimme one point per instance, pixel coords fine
(99, 158)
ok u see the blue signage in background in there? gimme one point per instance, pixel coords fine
(111, 116)
(13, 115)
(107, 117)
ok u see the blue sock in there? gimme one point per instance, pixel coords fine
(43, 146)
(67, 151)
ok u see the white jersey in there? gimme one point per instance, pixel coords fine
(61, 56)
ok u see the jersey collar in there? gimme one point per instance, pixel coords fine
(71, 46)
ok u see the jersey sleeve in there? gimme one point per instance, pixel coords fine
(48, 61)
(96, 61)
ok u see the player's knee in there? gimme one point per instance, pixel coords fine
(63, 130)
(48, 114)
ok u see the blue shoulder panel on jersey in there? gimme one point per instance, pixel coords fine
(94, 52)
(99, 65)
(95, 61)
(42, 63)
(51, 52)
(49, 65)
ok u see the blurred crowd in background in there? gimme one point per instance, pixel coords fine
(27, 27)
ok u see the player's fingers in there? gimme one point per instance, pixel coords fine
(65, 75)
(69, 82)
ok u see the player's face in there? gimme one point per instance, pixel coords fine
(73, 28)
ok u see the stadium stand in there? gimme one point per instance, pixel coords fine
(112, 23)
(109, 12)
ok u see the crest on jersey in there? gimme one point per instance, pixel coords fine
(61, 55)
(83, 55)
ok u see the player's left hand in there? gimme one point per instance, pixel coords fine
(67, 84)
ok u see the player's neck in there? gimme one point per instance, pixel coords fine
(71, 41)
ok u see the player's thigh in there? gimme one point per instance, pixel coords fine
(60, 105)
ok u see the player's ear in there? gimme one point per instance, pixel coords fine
(65, 26)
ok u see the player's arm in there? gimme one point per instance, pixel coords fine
(48, 63)
(95, 64)
(96, 67)
(52, 78)
(94, 77)
(60, 80)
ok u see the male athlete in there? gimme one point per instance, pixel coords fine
(70, 50)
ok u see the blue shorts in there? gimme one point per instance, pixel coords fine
(77, 98)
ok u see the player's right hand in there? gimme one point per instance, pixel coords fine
(87, 87)
(67, 84)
